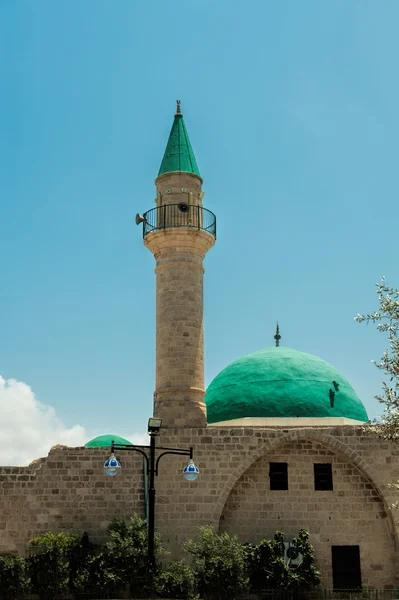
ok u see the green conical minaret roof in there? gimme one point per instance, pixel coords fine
(179, 155)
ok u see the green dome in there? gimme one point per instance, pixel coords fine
(105, 441)
(281, 382)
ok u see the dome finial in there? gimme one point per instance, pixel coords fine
(277, 336)
(178, 110)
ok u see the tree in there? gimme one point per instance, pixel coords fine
(219, 564)
(176, 580)
(265, 564)
(49, 565)
(268, 568)
(14, 577)
(306, 575)
(126, 554)
(387, 320)
(94, 578)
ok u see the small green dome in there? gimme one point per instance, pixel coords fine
(281, 382)
(105, 441)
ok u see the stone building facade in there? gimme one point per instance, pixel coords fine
(68, 491)
(278, 407)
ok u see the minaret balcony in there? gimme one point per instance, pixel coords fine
(170, 216)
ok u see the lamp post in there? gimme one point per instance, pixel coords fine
(112, 467)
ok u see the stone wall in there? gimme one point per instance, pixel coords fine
(352, 513)
(69, 491)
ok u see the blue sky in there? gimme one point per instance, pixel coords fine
(291, 108)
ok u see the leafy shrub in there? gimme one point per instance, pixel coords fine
(265, 564)
(49, 567)
(94, 578)
(219, 564)
(268, 569)
(14, 579)
(66, 563)
(176, 580)
(125, 554)
(306, 574)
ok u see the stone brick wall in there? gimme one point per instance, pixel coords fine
(69, 491)
(229, 458)
(352, 513)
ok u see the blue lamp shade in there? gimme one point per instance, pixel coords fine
(112, 466)
(191, 472)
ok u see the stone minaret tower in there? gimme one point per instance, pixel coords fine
(179, 232)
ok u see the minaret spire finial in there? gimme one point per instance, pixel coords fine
(277, 336)
(178, 111)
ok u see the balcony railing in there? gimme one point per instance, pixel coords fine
(169, 216)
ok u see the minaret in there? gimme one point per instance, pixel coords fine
(179, 232)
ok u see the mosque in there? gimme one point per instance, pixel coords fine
(278, 436)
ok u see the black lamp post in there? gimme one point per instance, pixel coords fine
(112, 467)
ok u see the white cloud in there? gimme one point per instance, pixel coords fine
(141, 439)
(29, 428)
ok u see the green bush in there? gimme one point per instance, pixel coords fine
(219, 564)
(176, 580)
(306, 574)
(118, 565)
(268, 569)
(49, 565)
(125, 554)
(94, 578)
(64, 565)
(14, 579)
(265, 564)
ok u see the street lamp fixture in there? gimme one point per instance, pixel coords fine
(154, 425)
(112, 467)
(191, 472)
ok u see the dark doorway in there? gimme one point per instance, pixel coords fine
(346, 567)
